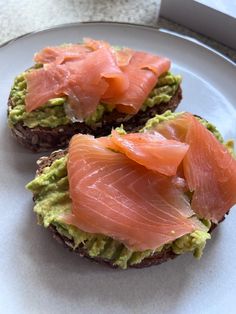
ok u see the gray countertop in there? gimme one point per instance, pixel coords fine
(20, 17)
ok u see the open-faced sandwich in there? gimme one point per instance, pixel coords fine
(88, 88)
(138, 199)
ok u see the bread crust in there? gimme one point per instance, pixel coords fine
(44, 138)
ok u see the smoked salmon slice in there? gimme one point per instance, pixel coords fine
(73, 52)
(94, 44)
(209, 169)
(61, 54)
(90, 79)
(117, 197)
(83, 81)
(142, 71)
(122, 55)
(44, 84)
(151, 150)
(91, 73)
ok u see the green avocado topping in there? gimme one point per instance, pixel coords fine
(51, 192)
(168, 115)
(53, 113)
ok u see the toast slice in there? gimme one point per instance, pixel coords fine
(98, 248)
(33, 131)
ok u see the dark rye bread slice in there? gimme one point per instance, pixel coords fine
(155, 259)
(43, 138)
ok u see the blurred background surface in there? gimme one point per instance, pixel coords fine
(20, 17)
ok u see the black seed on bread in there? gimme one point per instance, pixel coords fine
(43, 138)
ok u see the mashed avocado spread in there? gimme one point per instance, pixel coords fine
(53, 113)
(51, 191)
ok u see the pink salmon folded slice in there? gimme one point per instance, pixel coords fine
(84, 81)
(209, 168)
(151, 150)
(44, 84)
(142, 71)
(91, 73)
(61, 54)
(73, 52)
(122, 56)
(117, 197)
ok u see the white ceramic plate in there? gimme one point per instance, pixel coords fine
(39, 276)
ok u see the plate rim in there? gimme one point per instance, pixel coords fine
(48, 290)
(139, 25)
